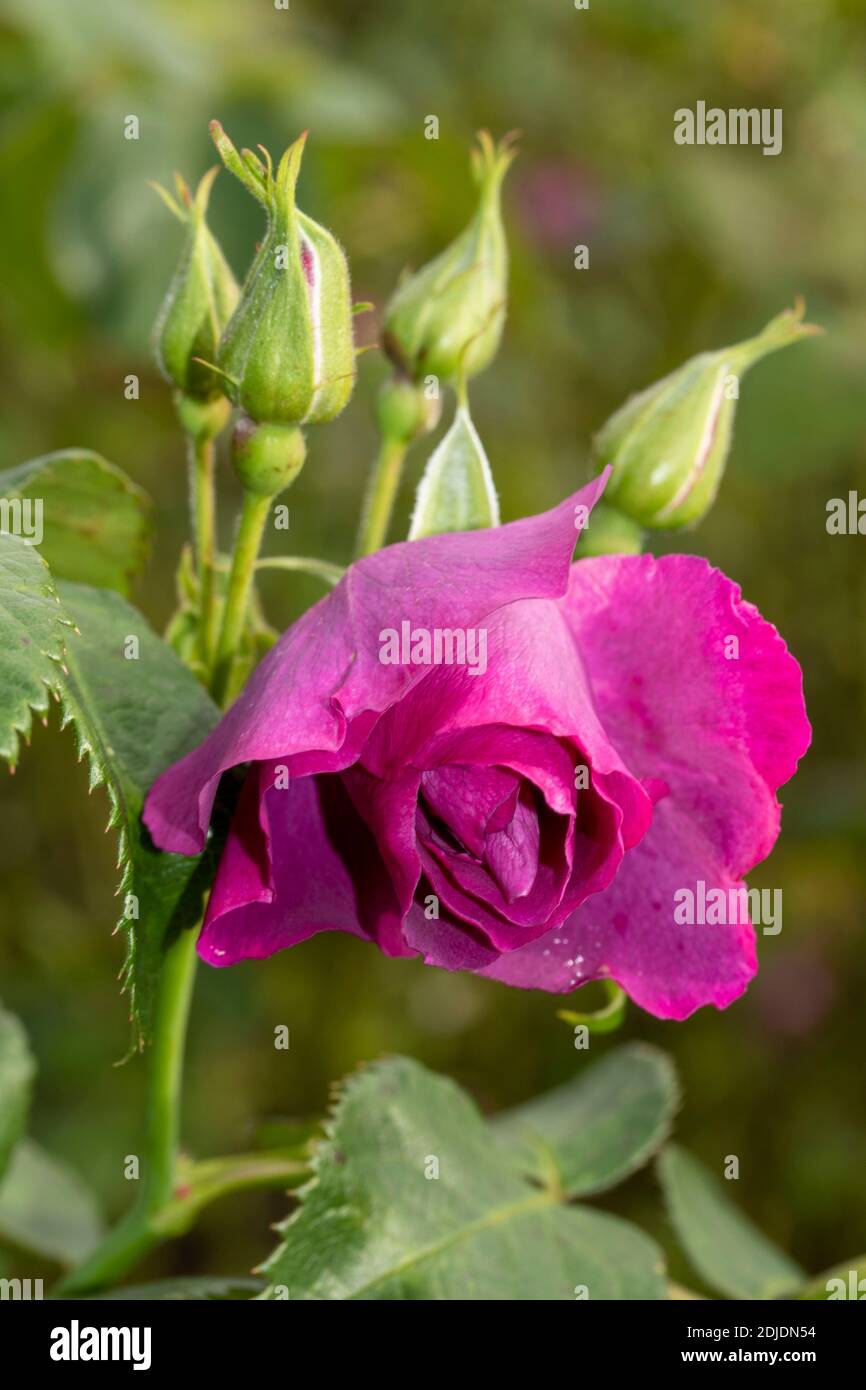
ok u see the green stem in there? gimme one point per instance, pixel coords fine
(322, 569)
(206, 1180)
(254, 514)
(165, 1081)
(136, 1233)
(203, 505)
(379, 499)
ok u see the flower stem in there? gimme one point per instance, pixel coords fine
(306, 564)
(203, 507)
(379, 499)
(165, 1080)
(254, 514)
(135, 1235)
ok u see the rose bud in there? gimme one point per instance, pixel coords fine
(668, 445)
(288, 353)
(447, 319)
(200, 301)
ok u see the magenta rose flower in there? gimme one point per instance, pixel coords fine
(477, 751)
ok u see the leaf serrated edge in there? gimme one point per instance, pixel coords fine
(21, 726)
(59, 684)
(337, 1096)
(89, 746)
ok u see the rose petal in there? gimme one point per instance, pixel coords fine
(512, 854)
(328, 876)
(535, 680)
(466, 798)
(325, 671)
(721, 732)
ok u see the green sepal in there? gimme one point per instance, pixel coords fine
(456, 492)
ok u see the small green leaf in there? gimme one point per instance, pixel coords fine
(32, 639)
(456, 492)
(413, 1198)
(17, 1069)
(95, 523)
(134, 715)
(731, 1254)
(589, 1134)
(45, 1206)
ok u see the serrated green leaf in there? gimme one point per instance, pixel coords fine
(456, 492)
(32, 639)
(731, 1254)
(597, 1129)
(95, 523)
(45, 1206)
(375, 1225)
(133, 718)
(186, 1290)
(17, 1069)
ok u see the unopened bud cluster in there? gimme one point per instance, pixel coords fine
(282, 348)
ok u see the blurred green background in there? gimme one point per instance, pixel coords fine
(689, 248)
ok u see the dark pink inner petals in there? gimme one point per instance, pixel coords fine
(511, 854)
(388, 811)
(470, 889)
(534, 756)
(504, 813)
(598, 849)
(328, 876)
(466, 799)
(444, 939)
(245, 874)
(304, 860)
